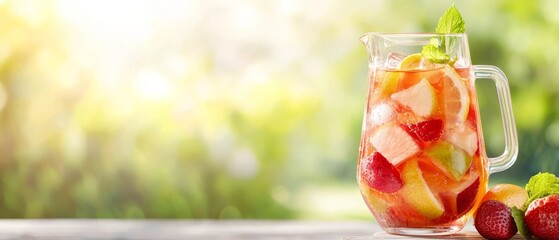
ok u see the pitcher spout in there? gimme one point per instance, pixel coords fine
(368, 39)
(365, 39)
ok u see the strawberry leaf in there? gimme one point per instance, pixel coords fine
(518, 216)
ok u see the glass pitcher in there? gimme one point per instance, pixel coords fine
(422, 166)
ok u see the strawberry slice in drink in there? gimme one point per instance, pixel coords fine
(466, 198)
(380, 174)
(462, 198)
(426, 131)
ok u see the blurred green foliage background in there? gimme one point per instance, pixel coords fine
(231, 109)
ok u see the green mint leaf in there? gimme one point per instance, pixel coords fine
(451, 22)
(541, 185)
(435, 54)
(540, 182)
(518, 216)
(436, 42)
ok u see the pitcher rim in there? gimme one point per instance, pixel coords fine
(403, 35)
(414, 34)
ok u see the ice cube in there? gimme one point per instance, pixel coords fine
(393, 60)
(463, 137)
(382, 113)
(425, 64)
(460, 63)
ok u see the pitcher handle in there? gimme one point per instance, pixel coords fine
(506, 160)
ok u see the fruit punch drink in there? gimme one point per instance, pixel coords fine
(419, 156)
(422, 167)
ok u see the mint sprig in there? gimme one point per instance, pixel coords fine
(450, 22)
(434, 54)
(541, 185)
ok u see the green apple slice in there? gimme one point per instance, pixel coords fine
(452, 160)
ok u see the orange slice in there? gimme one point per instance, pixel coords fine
(456, 98)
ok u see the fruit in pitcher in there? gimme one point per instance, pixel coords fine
(457, 99)
(374, 202)
(494, 221)
(394, 143)
(388, 83)
(463, 137)
(509, 194)
(380, 174)
(405, 215)
(453, 161)
(542, 217)
(426, 131)
(417, 193)
(420, 98)
(466, 198)
(460, 199)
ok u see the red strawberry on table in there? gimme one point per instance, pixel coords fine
(494, 221)
(380, 174)
(426, 131)
(542, 217)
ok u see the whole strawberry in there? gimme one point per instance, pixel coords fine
(542, 217)
(494, 221)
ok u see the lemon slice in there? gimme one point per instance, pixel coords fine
(456, 98)
(410, 62)
(415, 62)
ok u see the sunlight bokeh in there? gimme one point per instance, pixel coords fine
(230, 109)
